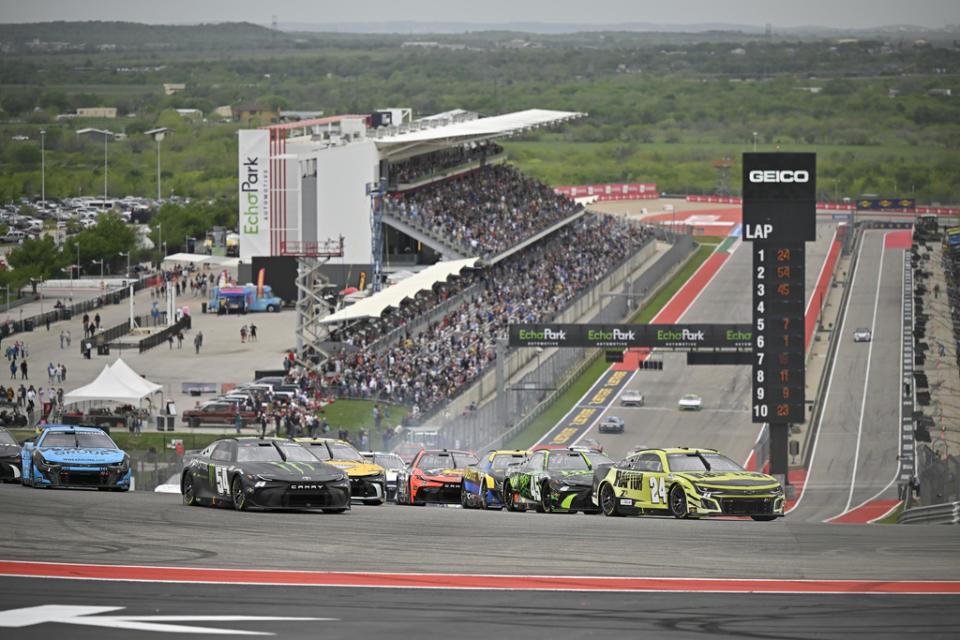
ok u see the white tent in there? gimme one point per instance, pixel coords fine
(106, 386)
(117, 383)
(133, 379)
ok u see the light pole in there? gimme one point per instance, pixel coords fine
(754, 140)
(106, 133)
(43, 169)
(157, 135)
(100, 262)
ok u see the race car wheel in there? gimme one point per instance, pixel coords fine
(545, 506)
(186, 488)
(236, 492)
(464, 497)
(506, 497)
(764, 518)
(678, 502)
(608, 501)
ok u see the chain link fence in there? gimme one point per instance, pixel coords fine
(939, 477)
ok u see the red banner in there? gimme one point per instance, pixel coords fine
(612, 191)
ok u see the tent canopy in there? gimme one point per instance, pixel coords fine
(116, 383)
(376, 304)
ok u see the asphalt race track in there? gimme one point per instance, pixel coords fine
(724, 422)
(155, 530)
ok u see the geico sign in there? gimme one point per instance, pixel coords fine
(783, 175)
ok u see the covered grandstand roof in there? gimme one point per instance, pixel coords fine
(408, 143)
(376, 304)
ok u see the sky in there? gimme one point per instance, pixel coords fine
(779, 13)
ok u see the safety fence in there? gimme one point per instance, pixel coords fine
(948, 513)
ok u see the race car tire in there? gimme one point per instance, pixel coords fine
(238, 497)
(678, 502)
(544, 506)
(187, 489)
(373, 502)
(464, 497)
(508, 498)
(608, 501)
(764, 518)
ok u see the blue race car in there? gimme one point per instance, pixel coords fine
(71, 456)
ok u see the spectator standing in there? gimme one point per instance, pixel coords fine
(170, 341)
(180, 340)
(253, 332)
(23, 370)
(96, 319)
(13, 369)
(69, 338)
(63, 338)
(198, 341)
(243, 334)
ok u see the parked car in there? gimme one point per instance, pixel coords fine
(216, 412)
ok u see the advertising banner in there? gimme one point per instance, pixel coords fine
(654, 336)
(254, 181)
(887, 204)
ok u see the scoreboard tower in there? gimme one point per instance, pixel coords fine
(779, 216)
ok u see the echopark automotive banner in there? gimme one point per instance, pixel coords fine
(254, 196)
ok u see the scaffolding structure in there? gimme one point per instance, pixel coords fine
(310, 283)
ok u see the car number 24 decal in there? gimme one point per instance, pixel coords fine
(658, 493)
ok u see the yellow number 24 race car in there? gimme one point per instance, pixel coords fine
(685, 483)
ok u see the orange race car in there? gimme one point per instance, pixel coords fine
(434, 475)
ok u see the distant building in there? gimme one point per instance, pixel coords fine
(193, 115)
(255, 110)
(939, 92)
(170, 88)
(225, 111)
(96, 112)
(295, 116)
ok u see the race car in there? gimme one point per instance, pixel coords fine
(368, 481)
(631, 397)
(268, 473)
(690, 402)
(392, 464)
(685, 483)
(862, 335)
(435, 475)
(9, 457)
(611, 424)
(482, 483)
(72, 456)
(553, 480)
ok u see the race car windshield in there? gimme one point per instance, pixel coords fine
(567, 462)
(596, 458)
(345, 452)
(6, 438)
(318, 449)
(293, 452)
(389, 461)
(501, 460)
(258, 452)
(701, 462)
(86, 440)
(464, 459)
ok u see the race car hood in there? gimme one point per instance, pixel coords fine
(9, 451)
(453, 474)
(78, 455)
(290, 471)
(357, 469)
(740, 479)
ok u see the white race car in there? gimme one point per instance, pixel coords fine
(862, 335)
(631, 397)
(690, 402)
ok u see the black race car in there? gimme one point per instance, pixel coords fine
(9, 457)
(269, 473)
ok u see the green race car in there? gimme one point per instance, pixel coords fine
(685, 483)
(553, 480)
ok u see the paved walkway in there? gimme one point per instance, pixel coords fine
(222, 358)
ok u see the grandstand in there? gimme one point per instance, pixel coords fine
(504, 248)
